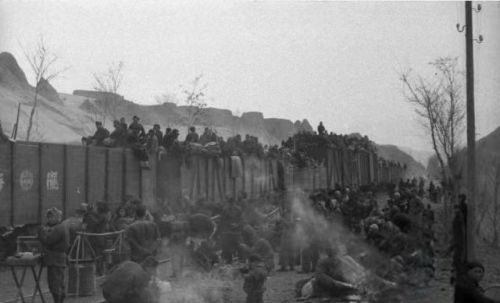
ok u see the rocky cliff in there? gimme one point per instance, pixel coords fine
(68, 117)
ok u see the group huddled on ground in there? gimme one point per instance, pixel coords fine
(249, 232)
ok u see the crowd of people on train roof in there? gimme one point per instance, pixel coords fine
(298, 146)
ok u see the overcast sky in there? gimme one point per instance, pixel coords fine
(335, 62)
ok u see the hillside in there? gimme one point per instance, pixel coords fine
(392, 152)
(421, 156)
(55, 121)
(67, 117)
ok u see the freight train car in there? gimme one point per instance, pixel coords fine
(36, 176)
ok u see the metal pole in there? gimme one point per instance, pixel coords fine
(471, 135)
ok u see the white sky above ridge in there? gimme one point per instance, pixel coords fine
(335, 62)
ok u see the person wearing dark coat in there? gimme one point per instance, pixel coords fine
(54, 238)
(143, 236)
(100, 134)
(459, 241)
(131, 282)
(321, 129)
(123, 124)
(179, 232)
(230, 228)
(167, 138)
(137, 128)
(467, 288)
(329, 279)
(287, 252)
(254, 280)
(119, 134)
(192, 136)
(255, 245)
(157, 132)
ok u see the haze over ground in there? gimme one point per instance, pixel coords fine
(335, 62)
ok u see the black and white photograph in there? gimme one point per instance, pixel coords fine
(239, 151)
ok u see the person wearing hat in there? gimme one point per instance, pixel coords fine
(54, 238)
(467, 288)
(131, 282)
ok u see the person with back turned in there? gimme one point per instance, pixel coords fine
(132, 282)
(143, 236)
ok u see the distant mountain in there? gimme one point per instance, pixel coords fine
(421, 156)
(392, 152)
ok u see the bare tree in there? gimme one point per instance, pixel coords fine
(440, 105)
(42, 62)
(109, 82)
(195, 100)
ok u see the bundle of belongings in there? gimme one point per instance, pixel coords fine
(209, 149)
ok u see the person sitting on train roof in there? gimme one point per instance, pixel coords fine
(100, 134)
(157, 132)
(137, 127)
(118, 136)
(192, 136)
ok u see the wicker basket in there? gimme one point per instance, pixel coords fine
(81, 278)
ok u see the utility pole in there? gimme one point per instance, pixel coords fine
(471, 134)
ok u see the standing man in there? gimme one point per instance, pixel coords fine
(230, 227)
(54, 238)
(321, 129)
(179, 231)
(143, 236)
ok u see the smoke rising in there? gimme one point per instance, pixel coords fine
(360, 263)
